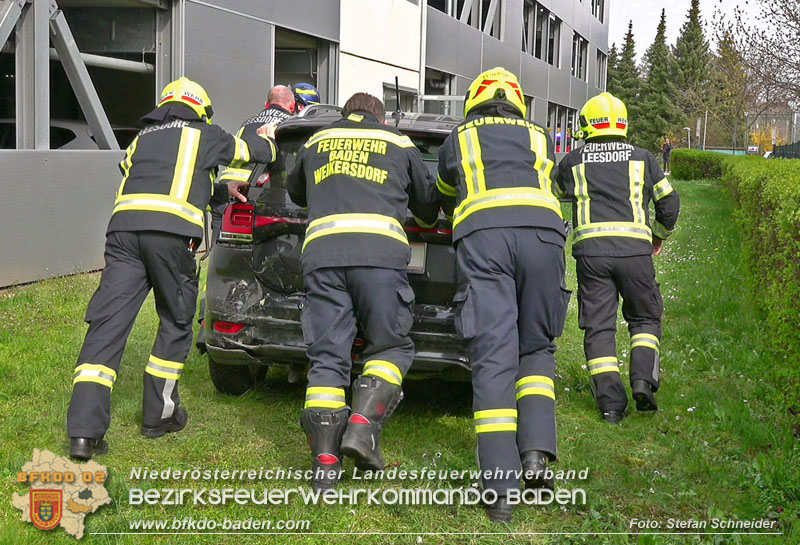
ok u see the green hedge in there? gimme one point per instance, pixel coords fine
(767, 195)
(690, 164)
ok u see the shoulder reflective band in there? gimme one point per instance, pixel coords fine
(373, 134)
(127, 163)
(612, 229)
(235, 174)
(170, 370)
(493, 420)
(444, 188)
(603, 365)
(543, 165)
(662, 189)
(151, 202)
(375, 224)
(660, 231)
(646, 340)
(636, 175)
(323, 397)
(385, 370)
(184, 164)
(536, 385)
(514, 196)
(92, 372)
(241, 153)
(582, 194)
(471, 161)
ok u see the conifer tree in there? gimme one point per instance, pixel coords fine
(657, 98)
(625, 83)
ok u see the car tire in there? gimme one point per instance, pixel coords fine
(233, 380)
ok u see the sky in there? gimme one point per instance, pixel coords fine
(646, 14)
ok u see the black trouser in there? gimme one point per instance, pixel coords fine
(381, 300)
(601, 280)
(135, 263)
(511, 304)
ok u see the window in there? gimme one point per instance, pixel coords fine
(542, 15)
(580, 48)
(554, 41)
(482, 14)
(561, 123)
(407, 98)
(602, 70)
(438, 98)
(529, 106)
(597, 9)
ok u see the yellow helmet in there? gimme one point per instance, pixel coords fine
(604, 115)
(495, 85)
(191, 94)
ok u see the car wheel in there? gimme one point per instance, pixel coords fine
(233, 380)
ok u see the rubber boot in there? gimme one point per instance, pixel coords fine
(324, 429)
(500, 510)
(534, 470)
(374, 401)
(644, 396)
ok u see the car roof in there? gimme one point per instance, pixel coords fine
(316, 117)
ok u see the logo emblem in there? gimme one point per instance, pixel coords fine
(46, 508)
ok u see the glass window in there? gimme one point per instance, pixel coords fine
(580, 48)
(602, 69)
(554, 41)
(440, 5)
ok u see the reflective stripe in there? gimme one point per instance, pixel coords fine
(425, 225)
(355, 223)
(151, 202)
(603, 365)
(536, 385)
(372, 134)
(323, 397)
(127, 163)
(241, 153)
(166, 398)
(385, 370)
(582, 194)
(660, 231)
(236, 174)
(444, 188)
(92, 372)
(543, 165)
(494, 420)
(646, 340)
(514, 196)
(184, 165)
(170, 370)
(472, 162)
(612, 229)
(636, 175)
(662, 189)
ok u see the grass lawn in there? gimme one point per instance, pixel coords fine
(722, 446)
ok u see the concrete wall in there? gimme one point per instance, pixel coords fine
(54, 212)
(376, 46)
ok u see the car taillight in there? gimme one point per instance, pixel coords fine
(436, 230)
(237, 223)
(228, 327)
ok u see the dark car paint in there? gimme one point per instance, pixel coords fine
(260, 285)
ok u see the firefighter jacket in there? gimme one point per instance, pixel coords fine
(495, 171)
(358, 177)
(168, 171)
(611, 184)
(273, 114)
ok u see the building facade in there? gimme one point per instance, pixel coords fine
(98, 65)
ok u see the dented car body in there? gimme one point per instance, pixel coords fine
(254, 295)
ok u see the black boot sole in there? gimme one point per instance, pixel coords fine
(362, 456)
(645, 400)
(170, 427)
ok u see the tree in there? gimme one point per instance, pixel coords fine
(692, 58)
(613, 62)
(658, 111)
(626, 84)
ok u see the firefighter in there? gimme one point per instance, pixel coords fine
(233, 181)
(305, 95)
(495, 181)
(357, 177)
(612, 183)
(154, 229)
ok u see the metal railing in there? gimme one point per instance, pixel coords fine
(789, 151)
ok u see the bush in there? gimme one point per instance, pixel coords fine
(767, 194)
(690, 164)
